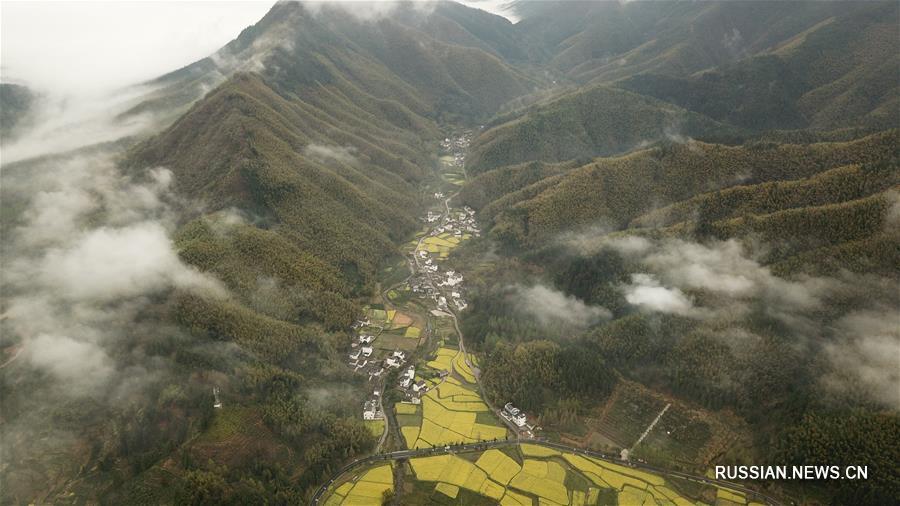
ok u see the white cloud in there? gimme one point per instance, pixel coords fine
(369, 10)
(78, 47)
(552, 307)
(78, 365)
(866, 356)
(342, 154)
(110, 263)
(646, 292)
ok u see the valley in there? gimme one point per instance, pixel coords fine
(450, 437)
(391, 253)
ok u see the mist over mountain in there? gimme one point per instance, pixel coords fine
(691, 204)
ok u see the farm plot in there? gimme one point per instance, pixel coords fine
(554, 478)
(376, 427)
(537, 451)
(401, 320)
(452, 411)
(389, 341)
(498, 466)
(364, 491)
(454, 471)
(545, 479)
(463, 369)
(442, 247)
(443, 359)
(631, 411)
(631, 484)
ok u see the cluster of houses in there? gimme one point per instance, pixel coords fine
(449, 279)
(514, 415)
(430, 277)
(456, 223)
(362, 355)
(372, 407)
(457, 147)
(411, 388)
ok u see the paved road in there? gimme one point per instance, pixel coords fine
(484, 445)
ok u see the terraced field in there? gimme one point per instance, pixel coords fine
(528, 475)
(364, 490)
(451, 411)
(440, 244)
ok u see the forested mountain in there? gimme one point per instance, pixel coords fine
(620, 189)
(839, 73)
(737, 69)
(598, 120)
(737, 222)
(609, 41)
(286, 187)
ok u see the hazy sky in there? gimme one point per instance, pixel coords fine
(87, 46)
(83, 46)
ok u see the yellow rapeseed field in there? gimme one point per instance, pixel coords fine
(447, 489)
(498, 466)
(537, 451)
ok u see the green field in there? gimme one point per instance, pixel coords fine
(376, 427)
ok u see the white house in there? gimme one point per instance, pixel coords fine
(405, 382)
(367, 351)
(410, 372)
(393, 362)
(370, 410)
(419, 386)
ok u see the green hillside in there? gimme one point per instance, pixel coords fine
(613, 191)
(609, 41)
(594, 121)
(840, 73)
(686, 212)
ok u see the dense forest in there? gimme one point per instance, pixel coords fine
(685, 204)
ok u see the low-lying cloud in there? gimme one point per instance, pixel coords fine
(734, 282)
(369, 10)
(721, 283)
(551, 307)
(86, 248)
(865, 357)
(323, 153)
(646, 292)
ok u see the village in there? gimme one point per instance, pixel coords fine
(442, 289)
(430, 278)
(443, 230)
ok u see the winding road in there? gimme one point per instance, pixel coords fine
(416, 267)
